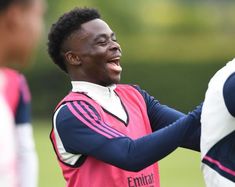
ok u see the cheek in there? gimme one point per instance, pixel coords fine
(36, 21)
(95, 60)
(35, 28)
(98, 59)
(28, 37)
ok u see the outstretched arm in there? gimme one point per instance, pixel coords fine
(82, 132)
(161, 116)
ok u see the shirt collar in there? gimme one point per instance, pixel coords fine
(91, 88)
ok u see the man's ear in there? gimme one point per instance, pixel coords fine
(72, 58)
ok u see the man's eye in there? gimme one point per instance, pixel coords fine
(101, 42)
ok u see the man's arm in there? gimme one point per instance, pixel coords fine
(161, 116)
(26, 153)
(229, 94)
(82, 131)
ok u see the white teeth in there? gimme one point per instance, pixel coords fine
(114, 59)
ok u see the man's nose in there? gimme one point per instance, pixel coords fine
(115, 46)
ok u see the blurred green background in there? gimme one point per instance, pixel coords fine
(171, 48)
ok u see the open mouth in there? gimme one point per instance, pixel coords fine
(114, 64)
(115, 61)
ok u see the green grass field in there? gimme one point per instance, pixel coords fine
(180, 169)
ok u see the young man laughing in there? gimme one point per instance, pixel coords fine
(105, 133)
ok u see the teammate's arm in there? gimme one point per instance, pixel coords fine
(229, 94)
(28, 163)
(82, 131)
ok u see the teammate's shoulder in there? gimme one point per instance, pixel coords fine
(11, 72)
(228, 94)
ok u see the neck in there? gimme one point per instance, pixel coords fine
(79, 76)
(3, 56)
(4, 49)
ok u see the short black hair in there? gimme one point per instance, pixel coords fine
(4, 4)
(63, 28)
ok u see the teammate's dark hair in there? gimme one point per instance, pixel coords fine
(4, 4)
(63, 28)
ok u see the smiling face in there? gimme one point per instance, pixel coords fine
(94, 54)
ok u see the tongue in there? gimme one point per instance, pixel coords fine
(114, 67)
